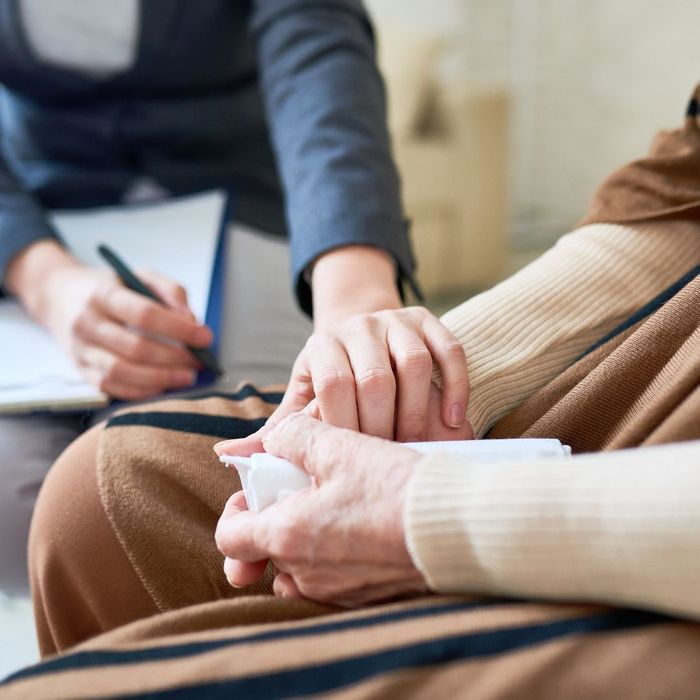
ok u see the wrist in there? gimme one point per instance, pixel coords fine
(353, 280)
(30, 274)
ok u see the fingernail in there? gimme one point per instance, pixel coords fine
(221, 446)
(457, 415)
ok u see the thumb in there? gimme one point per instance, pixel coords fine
(241, 447)
(298, 395)
(292, 402)
(318, 448)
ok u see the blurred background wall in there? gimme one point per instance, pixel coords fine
(584, 86)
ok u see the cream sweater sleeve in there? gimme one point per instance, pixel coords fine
(526, 330)
(618, 527)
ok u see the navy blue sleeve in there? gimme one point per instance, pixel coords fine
(22, 220)
(325, 105)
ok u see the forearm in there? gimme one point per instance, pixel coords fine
(352, 280)
(617, 527)
(326, 110)
(527, 330)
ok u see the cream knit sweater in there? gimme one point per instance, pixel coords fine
(619, 527)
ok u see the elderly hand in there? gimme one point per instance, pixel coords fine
(342, 539)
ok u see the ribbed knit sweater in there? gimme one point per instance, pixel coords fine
(619, 527)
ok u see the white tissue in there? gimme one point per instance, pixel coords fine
(266, 479)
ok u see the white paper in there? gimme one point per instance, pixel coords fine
(267, 479)
(176, 238)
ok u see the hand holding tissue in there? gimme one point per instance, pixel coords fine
(266, 479)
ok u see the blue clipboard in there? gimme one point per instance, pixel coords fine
(215, 304)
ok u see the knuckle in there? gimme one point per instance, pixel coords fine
(311, 589)
(375, 380)
(221, 538)
(415, 360)
(316, 587)
(105, 292)
(284, 540)
(331, 382)
(79, 324)
(143, 316)
(413, 420)
(314, 343)
(138, 349)
(110, 371)
(454, 351)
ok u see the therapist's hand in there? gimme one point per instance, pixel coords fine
(372, 372)
(128, 346)
(340, 540)
(368, 365)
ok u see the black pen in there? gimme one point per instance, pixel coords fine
(130, 280)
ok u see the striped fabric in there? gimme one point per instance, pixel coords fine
(436, 647)
(163, 490)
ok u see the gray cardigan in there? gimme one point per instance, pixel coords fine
(278, 100)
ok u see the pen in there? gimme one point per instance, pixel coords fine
(130, 280)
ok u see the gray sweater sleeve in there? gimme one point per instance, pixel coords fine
(22, 220)
(325, 104)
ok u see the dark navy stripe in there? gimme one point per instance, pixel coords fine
(215, 426)
(692, 110)
(328, 677)
(87, 659)
(202, 424)
(654, 305)
(245, 392)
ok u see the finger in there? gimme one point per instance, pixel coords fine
(376, 594)
(317, 447)
(235, 504)
(134, 309)
(117, 370)
(284, 586)
(173, 294)
(120, 340)
(449, 354)
(242, 535)
(243, 573)
(253, 443)
(125, 392)
(414, 367)
(375, 385)
(241, 447)
(312, 410)
(333, 382)
(299, 392)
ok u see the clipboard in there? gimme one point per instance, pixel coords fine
(35, 374)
